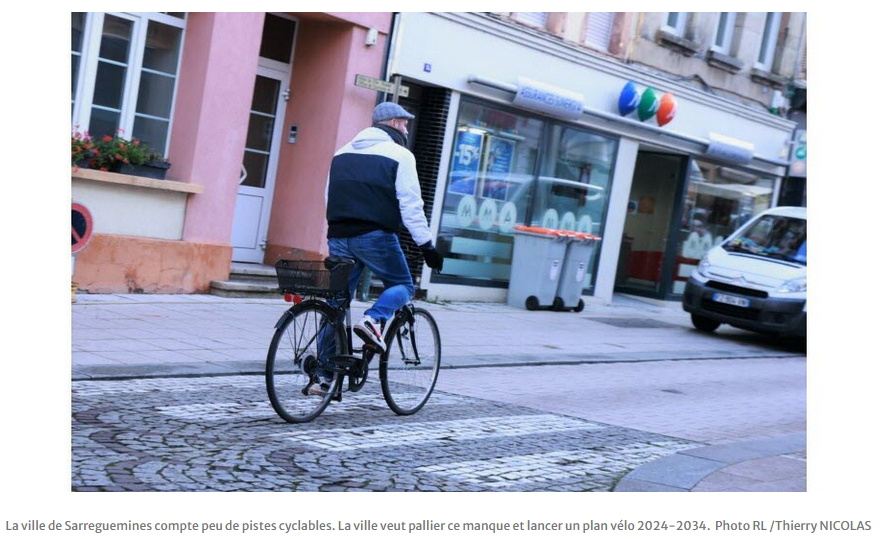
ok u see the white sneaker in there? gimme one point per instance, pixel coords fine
(319, 390)
(370, 331)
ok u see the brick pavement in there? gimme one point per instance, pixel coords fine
(632, 347)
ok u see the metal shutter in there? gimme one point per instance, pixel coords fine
(599, 25)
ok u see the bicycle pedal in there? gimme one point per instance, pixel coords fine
(342, 363)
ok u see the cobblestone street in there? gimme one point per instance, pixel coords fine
(220, 433)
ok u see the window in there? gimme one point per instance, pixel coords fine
(719, 200)
(724, 33)
(675, 23)
(768, 42)
(78, 26)
(498, 179)
(599, 27)
(536, 18)
(124, 74)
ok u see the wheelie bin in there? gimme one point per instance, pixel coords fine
(538, 254)
(574, 270)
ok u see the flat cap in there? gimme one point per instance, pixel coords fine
(389, 111)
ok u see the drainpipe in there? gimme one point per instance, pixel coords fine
(390, 42)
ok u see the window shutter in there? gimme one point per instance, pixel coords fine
(533, 18)
(599, 26)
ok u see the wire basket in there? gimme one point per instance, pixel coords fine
(311, 278)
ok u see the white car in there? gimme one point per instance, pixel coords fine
(756, 279)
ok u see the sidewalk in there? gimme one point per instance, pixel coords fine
(121, 336)
(131, 336)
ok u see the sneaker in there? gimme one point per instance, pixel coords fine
(319, 390)
(370, 332)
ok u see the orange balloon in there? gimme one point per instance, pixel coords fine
(668, 107)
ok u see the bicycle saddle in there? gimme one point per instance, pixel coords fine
(332, 262)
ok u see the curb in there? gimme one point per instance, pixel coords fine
(254, 368)
(682, 471)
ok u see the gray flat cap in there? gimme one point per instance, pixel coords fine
(389, 111)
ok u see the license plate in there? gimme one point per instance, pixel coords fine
(730, 300)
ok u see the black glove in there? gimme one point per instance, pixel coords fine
(432, 257)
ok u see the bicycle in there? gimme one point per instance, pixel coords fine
(319, 323)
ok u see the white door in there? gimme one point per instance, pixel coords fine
(257, 183)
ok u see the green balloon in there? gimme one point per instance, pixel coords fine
(648, 105)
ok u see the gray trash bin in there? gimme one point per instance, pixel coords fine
(574, 270)
(538, 254)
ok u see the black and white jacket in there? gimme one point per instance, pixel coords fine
(373, 185)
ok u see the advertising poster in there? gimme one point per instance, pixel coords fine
(498, 163)
(466, 163)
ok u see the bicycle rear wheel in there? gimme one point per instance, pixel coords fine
(292, 367)
(408, 368)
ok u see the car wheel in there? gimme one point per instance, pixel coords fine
(704, 324)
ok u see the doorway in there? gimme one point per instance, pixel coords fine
(648, 246)
(253, 204)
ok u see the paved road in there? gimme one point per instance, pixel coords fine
(713, 401)
(570, 428)
(624, 396)
(220, 433)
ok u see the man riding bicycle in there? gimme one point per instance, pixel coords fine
(372, 190)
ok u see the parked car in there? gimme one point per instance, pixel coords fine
(756, 279)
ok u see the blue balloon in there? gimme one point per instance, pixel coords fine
(629, 99)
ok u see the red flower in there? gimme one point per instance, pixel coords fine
(118, 157)
(103, 168)
(107, 138)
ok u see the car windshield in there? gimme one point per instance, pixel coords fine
(773, 236)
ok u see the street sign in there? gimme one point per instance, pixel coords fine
(80, 227)
(379, 85)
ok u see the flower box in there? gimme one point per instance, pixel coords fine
(150, 169)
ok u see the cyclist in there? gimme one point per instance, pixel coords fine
(372, 190)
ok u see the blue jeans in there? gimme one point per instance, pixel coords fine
(380, 251)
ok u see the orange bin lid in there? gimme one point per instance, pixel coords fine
(583, 236)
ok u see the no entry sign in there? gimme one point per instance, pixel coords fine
(80, 227)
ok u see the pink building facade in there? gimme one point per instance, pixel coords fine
(247, 107)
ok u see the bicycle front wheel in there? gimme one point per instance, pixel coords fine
(408, 368)
(292, 365)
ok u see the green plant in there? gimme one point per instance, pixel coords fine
(108, 152)
(82, 147)
(156, 158)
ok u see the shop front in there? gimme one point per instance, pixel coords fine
(510, 167)
(539, 142)
(679, 208)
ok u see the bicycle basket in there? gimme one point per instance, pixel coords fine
(311, 278)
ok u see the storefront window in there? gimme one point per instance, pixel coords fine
(496, 182)
(719, 200)
(572, 193)
(495, 154)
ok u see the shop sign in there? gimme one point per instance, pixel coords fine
(729, 150)
(798, 167)
(541, 97)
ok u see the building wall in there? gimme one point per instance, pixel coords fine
(329, 110)
(211, 116)
(215, 87)
(649, 50)
(636, 39)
